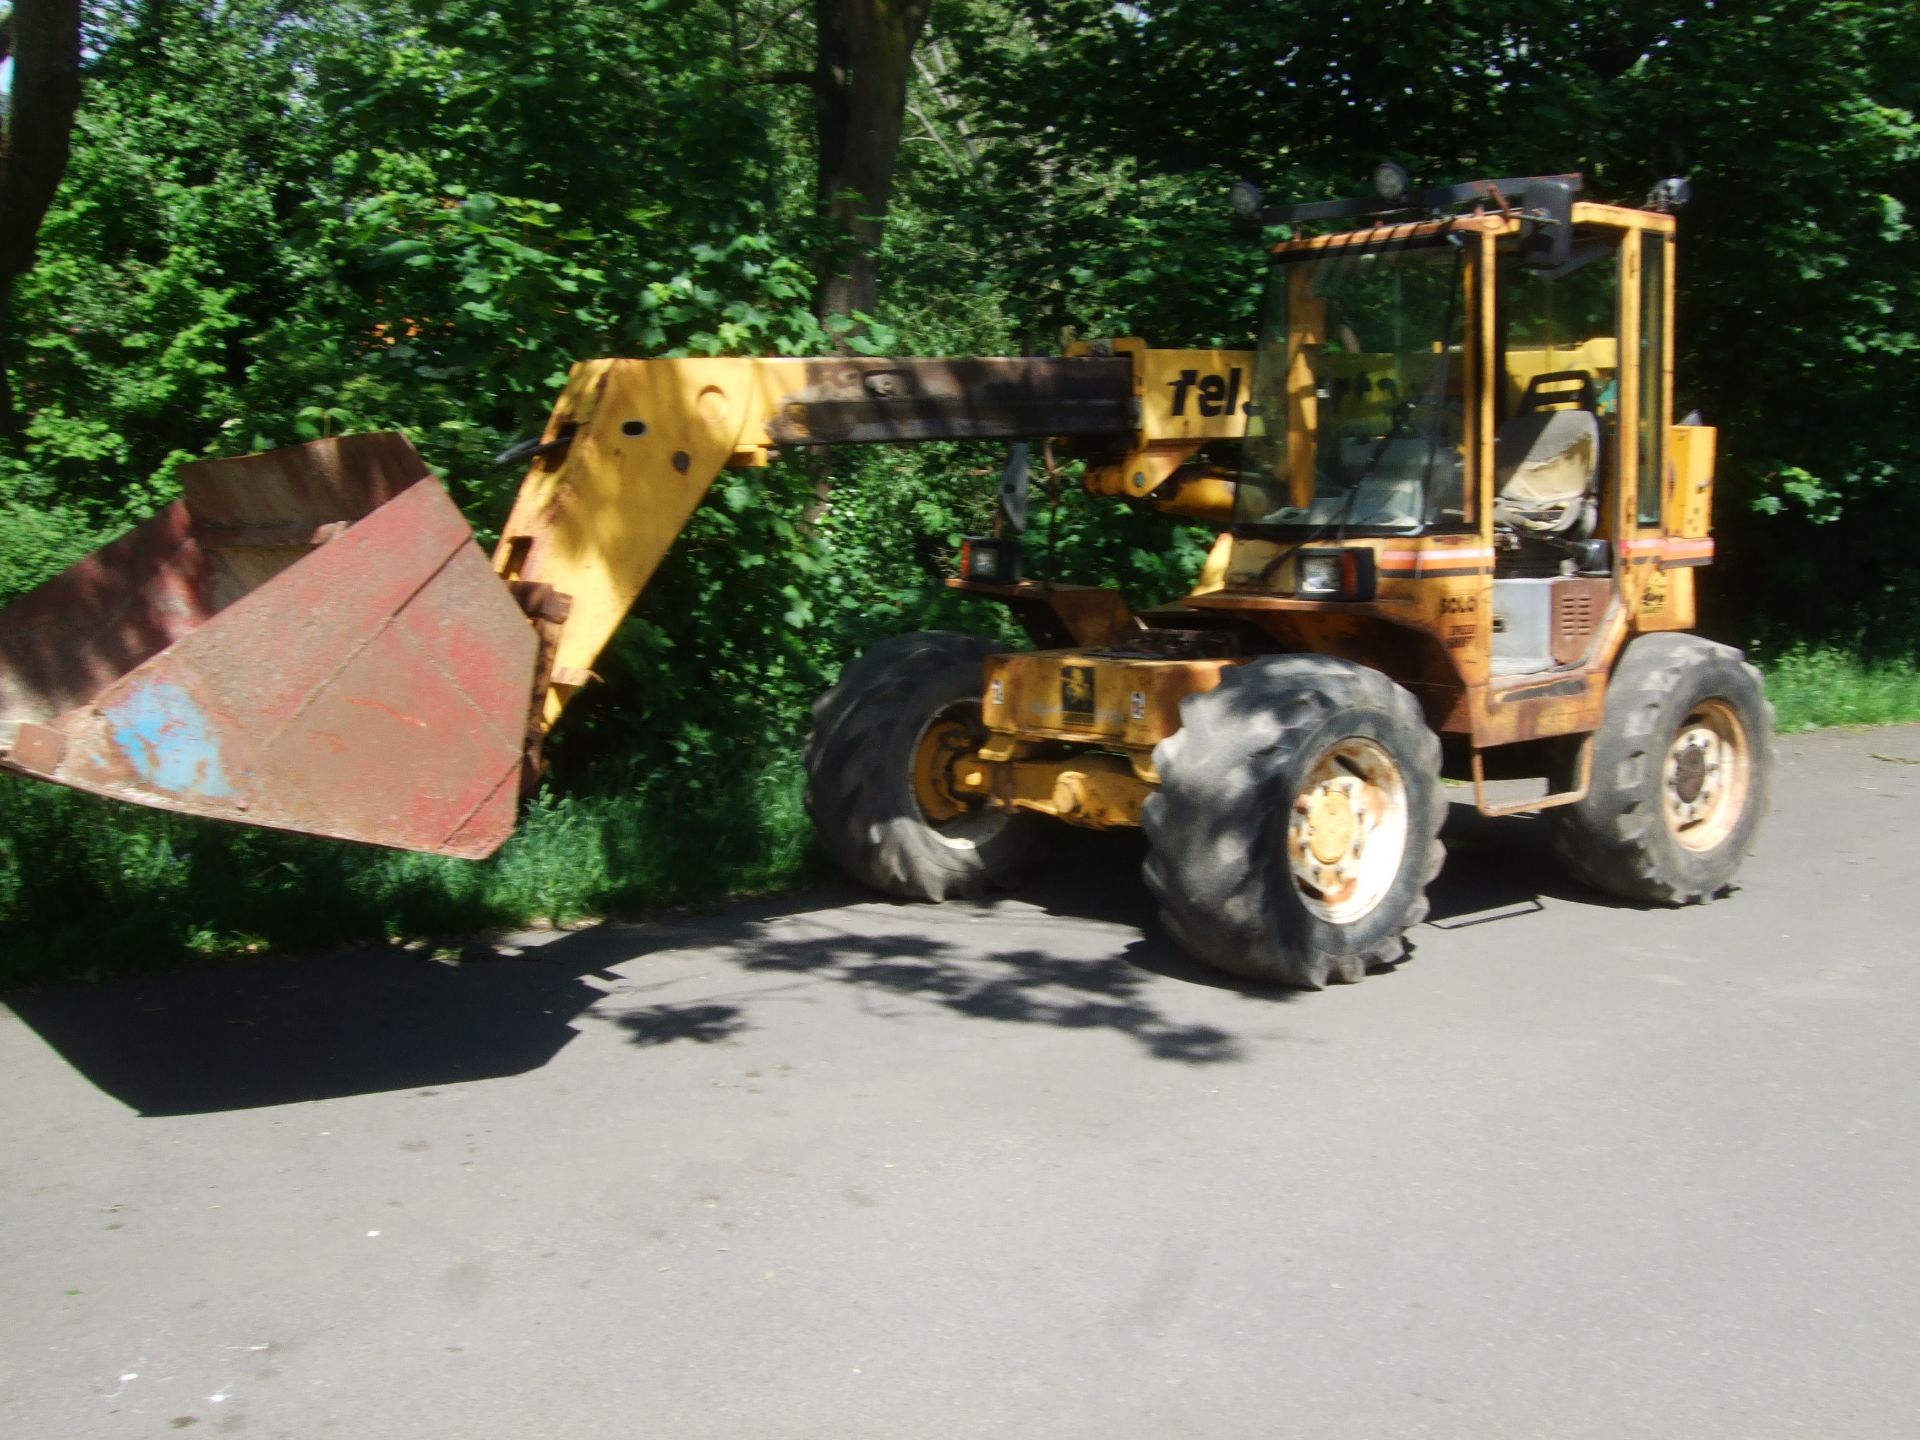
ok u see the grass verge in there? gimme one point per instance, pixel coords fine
(1814, 689)
(90, 888)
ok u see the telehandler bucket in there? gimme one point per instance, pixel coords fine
(308, 640)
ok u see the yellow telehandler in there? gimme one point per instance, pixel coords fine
(1458, 529)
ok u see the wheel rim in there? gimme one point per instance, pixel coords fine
(1706, 776)
(961, 821)
(1347, 833)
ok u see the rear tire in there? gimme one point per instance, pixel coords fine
(1682, 768)
(879, 738)
(1296, 825)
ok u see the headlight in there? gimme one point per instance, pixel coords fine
(990, 561)
(1319, 575)
(1347, 574)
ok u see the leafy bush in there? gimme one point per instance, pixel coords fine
(284, 220)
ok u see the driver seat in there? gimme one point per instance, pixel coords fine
(1544, 466)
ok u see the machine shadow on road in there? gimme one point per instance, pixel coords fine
(283, 1031)
(1500, 868)
(1496, 869)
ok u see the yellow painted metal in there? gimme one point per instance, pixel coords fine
(1119, 702)
(1183, 399)
(1617, 515)
(1213, 573)
(1621, 217)
(1482, 310)
(1690, 503)
(1306, 331)
(935, 785)
(649, 437)
(1186, 396)
(1090, 789)
(1144, 469)
(1429, 624)
(1660, 598)
(1203, 495)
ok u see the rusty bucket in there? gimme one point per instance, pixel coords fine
(308, 640)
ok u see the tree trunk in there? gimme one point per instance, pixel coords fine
(864, 58)
(43, 39)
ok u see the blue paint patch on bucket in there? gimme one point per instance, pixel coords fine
(168, 741)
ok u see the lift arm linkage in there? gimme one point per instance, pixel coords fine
(644, 440)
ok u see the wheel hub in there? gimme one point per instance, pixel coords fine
(945, 741)
(1691, 768)
(1348, 830)
(1331, 823)
(1704, 776)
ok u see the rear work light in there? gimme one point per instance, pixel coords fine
(1335, 575)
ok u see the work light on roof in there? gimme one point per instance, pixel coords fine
(1391, 181)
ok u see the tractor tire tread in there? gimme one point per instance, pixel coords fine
(1614, 841)
(1210, 824)
(859, 760)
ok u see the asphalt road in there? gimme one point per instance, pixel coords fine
(836, 1167)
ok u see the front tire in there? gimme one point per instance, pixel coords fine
(1682, 768)
(883, 740)
(1296, 825)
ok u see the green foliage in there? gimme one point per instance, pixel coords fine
(291, 219)
(1796, 120)
(88, 887)
(1812, 688)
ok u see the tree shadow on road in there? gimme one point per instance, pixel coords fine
(1089, 957)
(1028, 986)
(281, 1031)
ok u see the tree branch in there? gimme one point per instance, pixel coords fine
(772, 25)
(931, 80)
(933, 134)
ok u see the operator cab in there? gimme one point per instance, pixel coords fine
(1499, 374)
(1360, 423)
(1556, 409)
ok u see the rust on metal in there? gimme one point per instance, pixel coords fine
(1059, 616)
(1538, 802)
(1118, 702)
(856, 400)
(1579, 607)
(376, 691)
(257, 537)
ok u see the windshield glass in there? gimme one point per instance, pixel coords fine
(1359, 421)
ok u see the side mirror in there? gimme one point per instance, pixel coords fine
(1546, 231)
(1013, 487)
